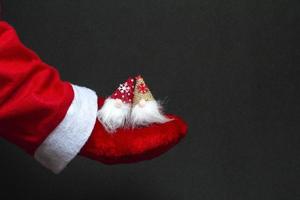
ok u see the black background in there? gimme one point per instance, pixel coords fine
(229, 68)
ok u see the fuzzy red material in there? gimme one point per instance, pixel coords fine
(132, 145)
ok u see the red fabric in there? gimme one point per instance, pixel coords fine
(132, 145)
(33, 99)
(125, 91)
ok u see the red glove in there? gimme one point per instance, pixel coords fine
(132, 145)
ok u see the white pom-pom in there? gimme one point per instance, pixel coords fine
(147, 112)
(113, 114)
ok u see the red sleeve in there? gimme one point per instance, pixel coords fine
(33, 98)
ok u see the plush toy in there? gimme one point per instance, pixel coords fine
(146, 110)
(116, 109)
(131, 106)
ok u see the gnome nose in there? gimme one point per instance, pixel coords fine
(142, 103)
(118, 103)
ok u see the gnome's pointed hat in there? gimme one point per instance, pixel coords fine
(141, 91)
(125, 91)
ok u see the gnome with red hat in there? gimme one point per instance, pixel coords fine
(116, 109)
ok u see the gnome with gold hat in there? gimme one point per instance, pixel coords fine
(145, 109)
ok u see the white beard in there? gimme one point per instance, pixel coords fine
(113, 117)
(147, 114)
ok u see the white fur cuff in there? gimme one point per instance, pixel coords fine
(66, 140)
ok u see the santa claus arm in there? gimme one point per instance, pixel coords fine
(45, 116)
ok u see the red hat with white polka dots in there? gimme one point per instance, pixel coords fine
(125, 91)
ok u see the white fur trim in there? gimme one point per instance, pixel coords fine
(147, 113)
(66, 140)
(114, 114)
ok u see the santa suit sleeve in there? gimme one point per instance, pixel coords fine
(48, 118)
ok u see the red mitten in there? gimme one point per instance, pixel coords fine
(128, 145)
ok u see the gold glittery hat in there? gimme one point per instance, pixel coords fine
(141, 91)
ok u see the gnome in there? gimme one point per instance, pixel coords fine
(146, 110)
(116, 108)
